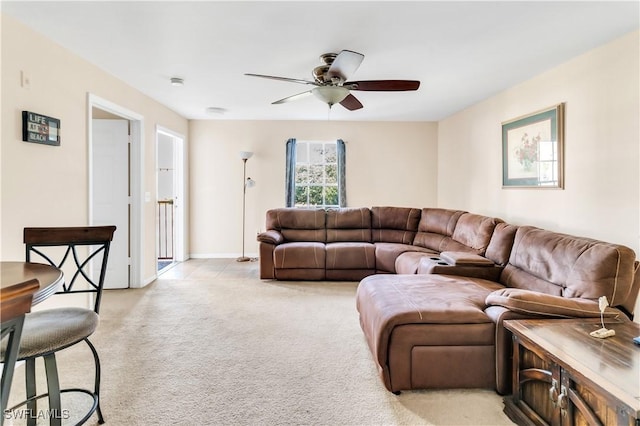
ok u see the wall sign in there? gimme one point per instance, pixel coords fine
(39, 128)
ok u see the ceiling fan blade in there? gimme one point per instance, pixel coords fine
(292, 97)
(345, 64)
(351, 103)
(291, 80)
(383, 85)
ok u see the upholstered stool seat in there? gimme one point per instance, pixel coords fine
(55, 329)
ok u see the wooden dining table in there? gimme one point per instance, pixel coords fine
(22, 285)
(50, 278)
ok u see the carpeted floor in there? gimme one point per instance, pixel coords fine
(209, 343)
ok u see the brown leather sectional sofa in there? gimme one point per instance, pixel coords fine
(350, 244)
(436, 284)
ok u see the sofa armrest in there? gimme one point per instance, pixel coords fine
(536, 303)
(461, 258)
(271, 236)
(434, 265)
(491, 273)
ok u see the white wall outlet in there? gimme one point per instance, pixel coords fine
(25, 80)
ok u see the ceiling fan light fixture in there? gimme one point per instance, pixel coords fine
(331, 94)
(333, 85)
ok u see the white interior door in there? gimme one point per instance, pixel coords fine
(110, 189)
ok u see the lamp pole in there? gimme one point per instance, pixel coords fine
(244, 155)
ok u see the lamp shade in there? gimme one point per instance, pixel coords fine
(331, 94)
(245, 155)
(250, 183)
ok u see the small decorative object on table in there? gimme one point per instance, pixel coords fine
(602, 333)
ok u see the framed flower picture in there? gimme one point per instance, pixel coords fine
(532, 150)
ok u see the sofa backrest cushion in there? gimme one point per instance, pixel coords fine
(499, 248)
(475, 231)
(298, 224)
(436, 227)
(349, 224)
(394, 224)
(439, 221)
(569, 266)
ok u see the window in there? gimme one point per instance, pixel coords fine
(316, 177)
(316, 174)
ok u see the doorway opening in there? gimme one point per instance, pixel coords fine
(170, 199)
(115, 137)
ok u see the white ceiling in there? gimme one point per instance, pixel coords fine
(462, 52)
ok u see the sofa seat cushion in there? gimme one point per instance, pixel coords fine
(299, 255)
(389, 301)
(350, 255)
(387, 253)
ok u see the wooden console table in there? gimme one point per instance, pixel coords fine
(563, 376)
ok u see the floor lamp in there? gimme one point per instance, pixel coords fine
(247, 182)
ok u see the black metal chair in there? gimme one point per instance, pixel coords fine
(48, 331)
(15, 302)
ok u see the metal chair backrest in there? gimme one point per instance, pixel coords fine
(97, 240)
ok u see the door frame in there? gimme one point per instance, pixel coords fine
(181, 214)
(136, 168)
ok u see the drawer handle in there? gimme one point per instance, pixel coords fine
(562, 401)
(553, 392)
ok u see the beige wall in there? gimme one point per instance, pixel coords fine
(387, 164)
(601, 198)
(44, 185)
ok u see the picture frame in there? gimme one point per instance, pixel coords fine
(533, 150)
(41, 129)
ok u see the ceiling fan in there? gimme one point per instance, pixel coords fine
(331, 85)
